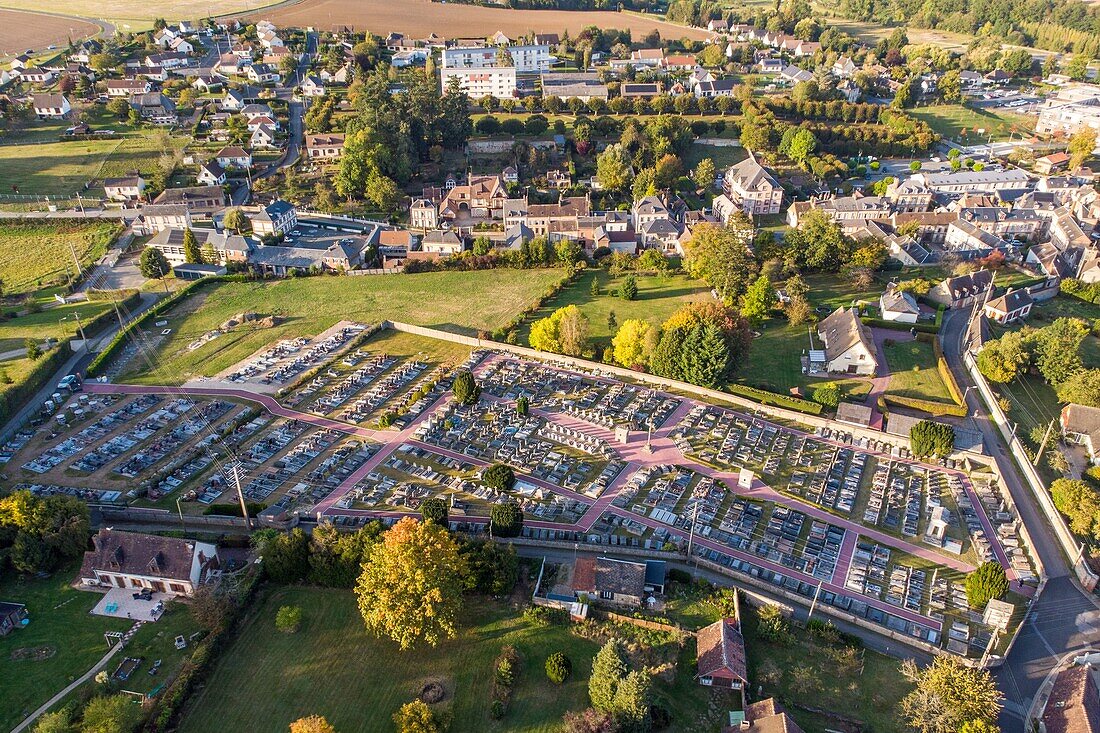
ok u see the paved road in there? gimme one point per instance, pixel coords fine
(1065, 617)
(296, 110)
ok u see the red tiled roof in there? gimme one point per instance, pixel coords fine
(721, 648)
(1074, 703)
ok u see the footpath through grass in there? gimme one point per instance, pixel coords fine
(949, 120)
(335, 668)
(461, 302)
(69, 638)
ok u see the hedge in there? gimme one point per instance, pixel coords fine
(895, 326)
(946, 373)
(159, 307)
(100, 323)
(765, 397)
(936, 409)
(12, 398)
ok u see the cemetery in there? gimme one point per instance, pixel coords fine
(337, 428)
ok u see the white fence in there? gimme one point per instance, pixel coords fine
(1074, 551)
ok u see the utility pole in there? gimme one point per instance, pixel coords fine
(1043, 445)
(121, 323)
(80, 329)
(240, 494)
(691, 533)
(180, 510)
(814, 604)
(79, 269)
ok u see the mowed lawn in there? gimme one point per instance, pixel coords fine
(59, 623)
(659, 296)
(461, 302)
(335, 668)
(949, 120)
(58, 321)
(33, 253)
(914, 373)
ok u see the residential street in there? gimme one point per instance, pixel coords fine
(1065, 618)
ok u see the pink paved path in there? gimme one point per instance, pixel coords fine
(662, 452)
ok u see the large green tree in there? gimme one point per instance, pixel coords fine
(719, 256)
(411, 587)
(948, 694)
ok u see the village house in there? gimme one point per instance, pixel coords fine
(1051, 163)
(959, 290)
(50, 106)
(234, 157)
(202, 201)
(849, 348)
(720, 659)
(162, 564)
(227, 247)
(752, 188)
(1014, 305)
(423, 214)
(898, 306)
(156, 108)
(327, 146)
(441, 242)
(1081, 425)
(278, 217)
(127, 88)
(129, 188)
(482, 197)
(1073, 705)
(609, 581)
(211, 174)
(312, 86)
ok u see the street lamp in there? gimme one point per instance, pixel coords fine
(183, 526)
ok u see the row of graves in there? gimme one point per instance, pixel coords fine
(107, 422)
(731, 440)
(573, 460)
(811, 570)
(871, 573)
(596, 401)
(895, 501)
(290, 465)
(287, 359)
(191, 460)
(828, 475)
(1006, 524)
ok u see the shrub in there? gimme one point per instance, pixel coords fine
(933, 408)
(545, 616)
(985, 583)
(496, 710)
(675, 575)
(289, 619)
(828, 395)
(765, 397)
(558, 668)
(932, 439)
(499, 476)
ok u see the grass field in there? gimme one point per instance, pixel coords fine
(62, 168)
(949, 120)
(658, 297)
(57, 322)
(421, 17)
(130, 10)
(913, 371)
(34, 253)
(333, 667)
(59, 620)
(464, 302)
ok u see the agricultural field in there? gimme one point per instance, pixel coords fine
(330, 668)
(418, 18)
(35, 253)
(454, 301)
(914, 371)
(61, 629)
(128, 15)
(22, 30)
(658, 297)
(949, 120)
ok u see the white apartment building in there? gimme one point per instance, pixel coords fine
(499, 82)
(525, 59)
(1069, 110)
